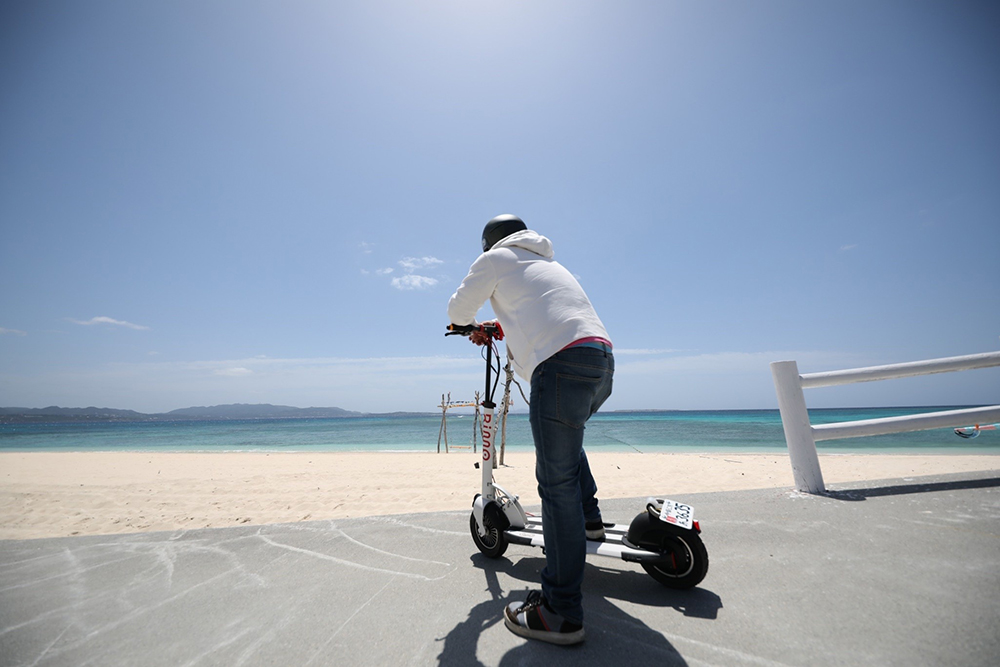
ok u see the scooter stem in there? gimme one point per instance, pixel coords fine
(487, 463)
(489, 431)
(493, 332)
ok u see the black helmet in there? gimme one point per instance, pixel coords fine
(499, 228)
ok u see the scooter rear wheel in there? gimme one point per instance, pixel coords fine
(494, 543)
(685, 559)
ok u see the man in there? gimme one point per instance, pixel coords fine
(557, 342)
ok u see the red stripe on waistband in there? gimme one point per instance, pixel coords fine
(588, 340)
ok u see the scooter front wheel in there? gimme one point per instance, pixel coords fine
(494, 543)
(685, 560)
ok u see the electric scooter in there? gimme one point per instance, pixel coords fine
(665, 539)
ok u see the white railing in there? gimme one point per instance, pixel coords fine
(801, 436)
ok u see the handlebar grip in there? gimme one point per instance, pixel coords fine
(460, 329)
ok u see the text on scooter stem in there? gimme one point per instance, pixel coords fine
(487, 436)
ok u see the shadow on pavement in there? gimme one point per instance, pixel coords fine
(906, 489)
(613, 636)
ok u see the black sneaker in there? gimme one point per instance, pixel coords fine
(595, 530)
(533, 619)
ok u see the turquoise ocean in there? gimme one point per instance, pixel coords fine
(647, 432)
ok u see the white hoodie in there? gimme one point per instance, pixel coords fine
(539, 304)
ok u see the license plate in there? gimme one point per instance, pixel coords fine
(677, 514)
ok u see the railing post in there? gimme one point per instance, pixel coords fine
(798, 430)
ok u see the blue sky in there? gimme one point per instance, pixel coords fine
(222, 202)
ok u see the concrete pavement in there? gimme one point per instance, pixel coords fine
(896, 572)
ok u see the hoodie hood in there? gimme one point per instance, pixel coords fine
(527, 240)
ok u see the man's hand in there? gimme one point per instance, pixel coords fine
(479, 337)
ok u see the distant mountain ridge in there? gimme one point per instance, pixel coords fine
(63, 414)
(258, 411)
(214, 412)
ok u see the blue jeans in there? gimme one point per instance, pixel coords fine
(566, 389)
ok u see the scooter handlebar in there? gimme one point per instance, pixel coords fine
(491, 329)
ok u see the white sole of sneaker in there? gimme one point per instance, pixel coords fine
(560, 638)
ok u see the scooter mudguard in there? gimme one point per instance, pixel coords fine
(505, 514)
(516, 518)
(672, 513)
(661, 515)
(489, 509)
(477, 511)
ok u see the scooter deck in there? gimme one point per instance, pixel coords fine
(611, 545)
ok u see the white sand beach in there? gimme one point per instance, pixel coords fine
(61, 494)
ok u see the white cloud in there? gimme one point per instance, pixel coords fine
(413, 282)
(732, 364)
(409, 280)
(845, 248)
(371, 384)
(414, 263)
(15, 332)
(234, 372)
(348, 365)
(727, 380)
(366, 247)
(107, 320)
